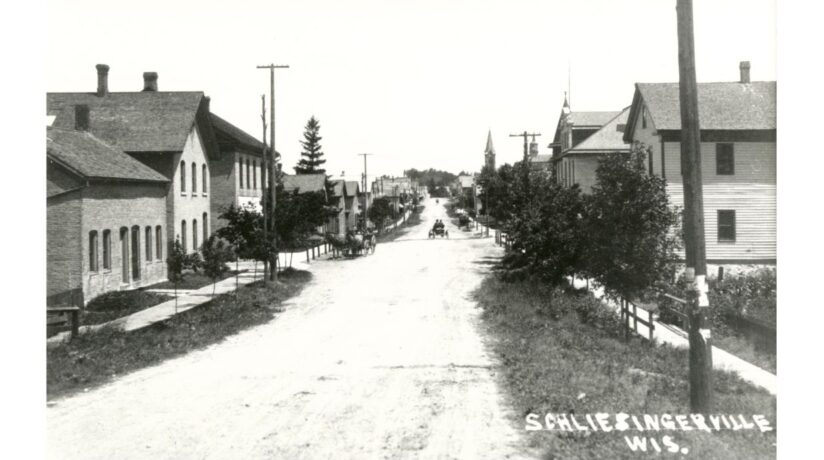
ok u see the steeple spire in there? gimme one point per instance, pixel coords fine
(489, 152)
(489, 147)
(566, 108)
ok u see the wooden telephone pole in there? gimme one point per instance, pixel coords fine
(271, 179)
(701, 393)
(365, 192)
(526, 135)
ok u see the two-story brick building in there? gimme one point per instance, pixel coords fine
(738, 151)
(238, 175)
(170, 132)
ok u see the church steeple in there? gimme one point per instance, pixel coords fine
(565, 110)
(489, 152)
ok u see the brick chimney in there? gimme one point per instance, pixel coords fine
(149, 81)
(745, 71)
(102, 79)
(81, 117)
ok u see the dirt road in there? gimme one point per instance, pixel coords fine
(380, 357)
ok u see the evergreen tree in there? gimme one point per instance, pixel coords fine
(312, 156)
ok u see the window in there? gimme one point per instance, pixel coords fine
(643, 117)
(159, 243)
(254, 175)
(726, 226)
(649, 159)
(194, 234)
(205, 227)
(240, 171)
(724, 159)
(248, 167)
(107, 249)
(183, 235)
(205, 181)
(194, 179)
(135, 252)
(149, 244)
(183, 177)
(124, 254)
(93, 251)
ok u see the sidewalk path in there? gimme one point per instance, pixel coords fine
(187, 299)
(666, 333)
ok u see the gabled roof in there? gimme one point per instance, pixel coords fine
(722, 106)
(91, 158)
(228, 134)
(145, 121)
(338, 189)
(592, 119)
(352, 187)
(609, 138)
(304, 182)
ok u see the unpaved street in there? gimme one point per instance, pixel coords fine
(379, 357)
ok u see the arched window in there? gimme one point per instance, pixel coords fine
(183, 236)
(205, 227)
(205, 180)
(159, 242)
(240, 171)
(182, 176)
(124, 254)
(135, 256)
(107, 249)
(194, 235)
(93, 251)
(149, 247)
(254, 175)
(194, 179)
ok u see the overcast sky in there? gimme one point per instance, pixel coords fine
(417, 83)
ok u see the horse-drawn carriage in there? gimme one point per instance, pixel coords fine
(354, 244)
(439, 230)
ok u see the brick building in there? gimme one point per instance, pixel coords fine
(238, 175)
(105, 218)
(170, 132)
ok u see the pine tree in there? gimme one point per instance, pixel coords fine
(312, 157)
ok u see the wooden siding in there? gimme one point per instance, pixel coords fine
(750, 192)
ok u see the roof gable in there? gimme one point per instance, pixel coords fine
(722, 106)
(304, 182)
(146, 121)
(609, 137)
(228, 134)
(90, 158)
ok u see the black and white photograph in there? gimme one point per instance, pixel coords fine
(425, 229)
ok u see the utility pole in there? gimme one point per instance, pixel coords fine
(272, 179)
(365, 191)
(701, 393)
(526, 135)
(263, 201)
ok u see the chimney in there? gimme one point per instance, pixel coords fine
(149, 81)
(207, 102)
(102, 79)
(745, 71)
(81, 117)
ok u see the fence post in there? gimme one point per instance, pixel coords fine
(75, 323)
(626, 320)
(635, 317)
(651, 326)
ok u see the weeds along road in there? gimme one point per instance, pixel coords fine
(379, 357)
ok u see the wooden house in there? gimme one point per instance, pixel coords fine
(738, 152)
